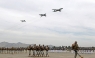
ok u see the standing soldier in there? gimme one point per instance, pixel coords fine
(47, 48)
(34, 50)
(39, 52)
(75, 48)
(29, 48)
(42, 51)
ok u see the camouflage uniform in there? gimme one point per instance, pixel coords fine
(75, 48)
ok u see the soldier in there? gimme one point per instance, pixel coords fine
(29, 48)
(39, 52)
(34, 50)
(47, 48)
(0, 49)
(42, 50)
(75, 48)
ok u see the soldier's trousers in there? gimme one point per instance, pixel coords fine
(42, 53)
(34, 52)
(75, 53)
(29, 52)
(46, 53)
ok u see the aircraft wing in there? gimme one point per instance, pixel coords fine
(53, 9)
(39, 14)
(23, 21)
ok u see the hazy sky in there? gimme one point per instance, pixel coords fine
(76, 22)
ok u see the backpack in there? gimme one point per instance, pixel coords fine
(72, 46)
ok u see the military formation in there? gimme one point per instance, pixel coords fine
(86, 50)
(38, 50)
(35, 50)
(12, 50)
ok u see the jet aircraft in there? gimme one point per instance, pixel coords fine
(55, 10)
(42, 15)
(23, 21)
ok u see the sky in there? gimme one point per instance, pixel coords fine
(76, 22)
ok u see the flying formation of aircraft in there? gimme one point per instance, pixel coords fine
(23, 21)
(55, 10)
(42, 15)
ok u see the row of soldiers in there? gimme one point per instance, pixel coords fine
(86, 49)
(12, 50)
(38, 50)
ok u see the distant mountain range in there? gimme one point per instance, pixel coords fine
(19, 44)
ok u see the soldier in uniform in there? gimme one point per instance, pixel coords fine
(29, 48)
(34, 50)
(47, 48)
(75, 48)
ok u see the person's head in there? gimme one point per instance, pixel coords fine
(47, 45)
(34, 44)
(29, 45)
(75, 42)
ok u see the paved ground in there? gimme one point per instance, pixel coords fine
(51, 55)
